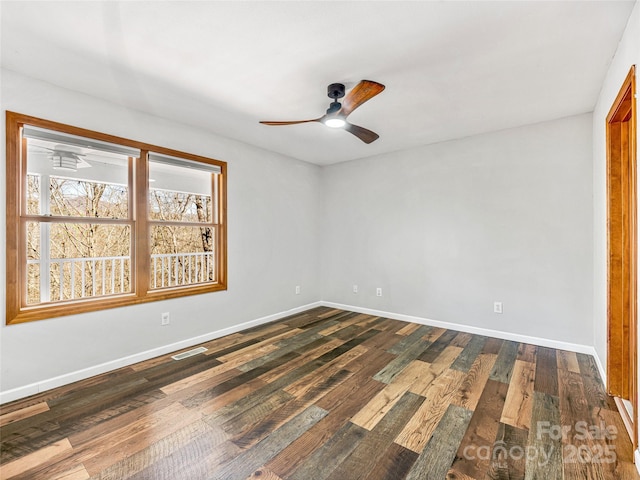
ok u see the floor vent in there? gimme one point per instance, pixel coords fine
(190, 353)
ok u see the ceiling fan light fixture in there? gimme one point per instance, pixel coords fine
(335, 122)
(60, 161)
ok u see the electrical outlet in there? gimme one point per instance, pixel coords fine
(165, 319)
(355, 289)
(497, 307)
(378, 292)
(297, 289)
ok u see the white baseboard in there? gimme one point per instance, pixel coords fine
(67, 378)
(601, 369)
(516, 337)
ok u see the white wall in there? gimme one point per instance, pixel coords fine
(273, 206)
(627, 54)
(447, 229)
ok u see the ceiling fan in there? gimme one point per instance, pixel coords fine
(337, 113)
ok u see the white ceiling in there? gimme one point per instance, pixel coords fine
(452, 69)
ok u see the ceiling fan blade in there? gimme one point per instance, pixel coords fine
(295, 122)
(367, 136)
(359, 94)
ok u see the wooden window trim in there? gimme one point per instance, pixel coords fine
(16, 309)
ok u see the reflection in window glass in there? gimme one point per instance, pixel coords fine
(82, 182)
(179, 194)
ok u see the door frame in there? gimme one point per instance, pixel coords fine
(622, 253)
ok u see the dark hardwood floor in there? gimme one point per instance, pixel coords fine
(328, 394)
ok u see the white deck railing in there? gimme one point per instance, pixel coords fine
(73, 278)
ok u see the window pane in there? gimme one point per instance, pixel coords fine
(182, 256)
(77, 261)
(33, 194)
(33, 263)
(179, 193)
(66, 180)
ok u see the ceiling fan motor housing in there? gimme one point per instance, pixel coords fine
(335, 90)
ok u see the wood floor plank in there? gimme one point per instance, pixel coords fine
(461, 339)
(567, 361)
(279, 416)
(615, 445)
(383, 340)
(519, 401)
(195, 461)
(454, 475)
(544, 462)
(503, 367)
(321, 463)
(342, 324)
(308, 354)
(441, 363)
(16, 467)
(374, 411)
(469, 354)
(77, 406)
(283, 348)
(436, 348)
(435, 460)
(98, 453)
(509, 453)
(482, 430)
(263, 474)
(244, 421)
(7, 418)
(264, 425)
(408, 329)
(434, 334)
(393, 464)
(194, 438)
(492, 345)
(527, 352)
(53, 472)
(75, 473)
(357, 464)
(329, 312)
(302, 386)
(306, 319)
(573, 407)
(411, 339)
(473, 384)
(341, 404)
(224, 400)
(417, 432)
(204, 380)
(393, 368)
(252, 351)
(248, 461)
(594, 390)
(546, 372)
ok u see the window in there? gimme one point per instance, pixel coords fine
(95, 221)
